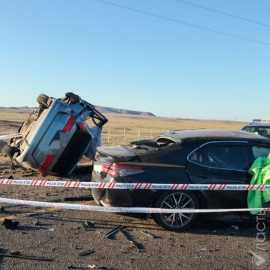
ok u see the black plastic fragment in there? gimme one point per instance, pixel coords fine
(88, 224)
(86, 253)
(114, 231)
(9, 224)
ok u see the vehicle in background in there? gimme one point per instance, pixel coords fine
(259, 127)
(180, 157)
(55, 136)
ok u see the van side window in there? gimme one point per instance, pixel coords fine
(222, 157)
(260, 151)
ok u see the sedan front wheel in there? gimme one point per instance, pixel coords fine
(176, 200)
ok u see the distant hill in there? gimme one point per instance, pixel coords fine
(122, 111)
(103, 110)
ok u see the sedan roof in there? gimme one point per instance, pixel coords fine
(215, 134)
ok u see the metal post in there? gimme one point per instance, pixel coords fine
(108, 136)
(124, 134)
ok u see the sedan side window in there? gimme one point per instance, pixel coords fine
(260, 151)
(222, 157)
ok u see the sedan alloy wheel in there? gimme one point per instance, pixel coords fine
(176, 200)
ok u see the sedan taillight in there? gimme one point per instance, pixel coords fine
(115, 170)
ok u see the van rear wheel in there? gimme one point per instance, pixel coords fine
(43, 100)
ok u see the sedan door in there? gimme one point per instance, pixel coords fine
(223, 162)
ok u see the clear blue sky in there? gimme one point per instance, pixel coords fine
(119, 58)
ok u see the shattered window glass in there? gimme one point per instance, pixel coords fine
(222, 157)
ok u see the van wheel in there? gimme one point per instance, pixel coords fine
(9, 150)
(43, 100)
(176, 200)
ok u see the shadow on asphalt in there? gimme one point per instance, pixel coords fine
(130, 238)
(227, 228)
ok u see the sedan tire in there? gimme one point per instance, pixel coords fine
(176, 200)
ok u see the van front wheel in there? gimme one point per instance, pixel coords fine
(9, 150)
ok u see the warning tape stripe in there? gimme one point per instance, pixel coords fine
(114, 185)
(94, 208)
(147, 186)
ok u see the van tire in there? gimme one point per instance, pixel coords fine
(43, 100)
(9, 150)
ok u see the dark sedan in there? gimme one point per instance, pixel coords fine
(180, 157)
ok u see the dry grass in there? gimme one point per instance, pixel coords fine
(134, 127)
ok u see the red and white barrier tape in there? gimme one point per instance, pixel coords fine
(6, 137)
(95, 208)
(113, 185)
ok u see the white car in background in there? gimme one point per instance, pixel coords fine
(260, 127)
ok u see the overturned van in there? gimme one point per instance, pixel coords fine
(55, 136)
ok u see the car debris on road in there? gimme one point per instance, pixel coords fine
(86, 253)
(88, 224)
(9, 224)
(117, 229)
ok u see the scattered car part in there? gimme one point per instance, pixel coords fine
(88, 224)
(55, 136)
(9, 224)
(114, 231)
(14, 252)
(86, 253)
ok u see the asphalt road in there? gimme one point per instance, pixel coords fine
(61, 236)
